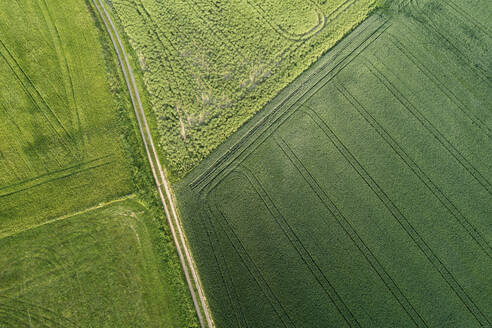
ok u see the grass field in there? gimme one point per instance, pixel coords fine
(58, 136)
(82, 239)
(361, 196)
(94, 269)
(210, 65)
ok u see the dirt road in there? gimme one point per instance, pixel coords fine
(158, 173)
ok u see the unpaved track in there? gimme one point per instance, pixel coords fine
(157, 171)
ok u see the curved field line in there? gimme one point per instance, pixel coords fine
(301, 250)
(401, 219)
(156, 168)
(285, 108)
(268, 18)
(222, 263)
(251, 266)
(349, 230)
(285, 53)
(412, 165)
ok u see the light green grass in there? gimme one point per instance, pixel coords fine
(209, 66)
(361, 195)
(73, 253)
(101, 268)
(60, 147)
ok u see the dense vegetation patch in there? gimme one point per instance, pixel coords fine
(210, 65)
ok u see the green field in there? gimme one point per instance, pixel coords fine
(82, 239)
(95, 269)
(361, 195)
(209, 65)
(60, 148)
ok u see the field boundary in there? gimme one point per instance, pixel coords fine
(284, 104)
(158, 172)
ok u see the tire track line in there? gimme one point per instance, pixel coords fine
(301, 250)
(352, 234)
(283, 110)
(438, 193)
(441, 86)
(429, 127)
(66, 139)
(253, 269)
(224, 270)
(436, 262)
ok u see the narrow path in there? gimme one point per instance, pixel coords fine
(158, 172)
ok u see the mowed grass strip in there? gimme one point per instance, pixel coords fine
(209, 66)
(99, 268)
(60, 145)
(361, 195)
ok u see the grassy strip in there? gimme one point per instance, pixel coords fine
(162, 243)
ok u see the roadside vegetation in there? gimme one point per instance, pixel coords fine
(361, 196)
(210, 65)
(82, 236)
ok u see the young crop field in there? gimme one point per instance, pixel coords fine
(361, 196)
(210, 65)
(58, 137)
(95, 269)
(82, 239)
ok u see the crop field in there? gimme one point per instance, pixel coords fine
(360, 196)
(93, 269)
(82, 239)
(210, 65)
(58, 137)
